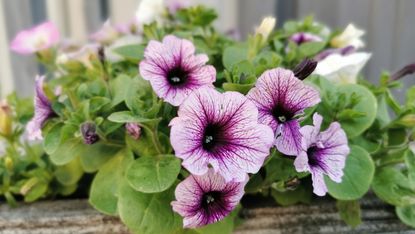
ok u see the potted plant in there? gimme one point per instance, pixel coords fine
(172, 123)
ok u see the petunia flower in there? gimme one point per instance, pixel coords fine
(43, 111)
(342, 51)
(351, 36)
(303, 37)
(134, 130)
(174, 5)
(342, 69)
(220, 131)
(173, 69)
(84, 55)
(324, 153)
(280, 98)
(38, 38)
(150, 11)
(206, 199)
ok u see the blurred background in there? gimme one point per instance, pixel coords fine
(389, 25)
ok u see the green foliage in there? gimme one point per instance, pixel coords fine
(350, 212)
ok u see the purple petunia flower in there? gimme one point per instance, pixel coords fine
(220, 130)
(206, 199)
(173, 69)
(303, 37)
(323, 153)
(43, 111)
(280, 98)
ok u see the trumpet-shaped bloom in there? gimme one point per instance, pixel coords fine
(173, 69)
(303, 37)
(220, 130)
(342, 69)
(43, 111)
(351, 36)
(323, 153)
(206, 199)
(38, 38)
(106, 34)
(280, 97)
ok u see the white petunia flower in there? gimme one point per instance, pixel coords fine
(149, 11)
(342, 69)
(266, 27)
(351, 36)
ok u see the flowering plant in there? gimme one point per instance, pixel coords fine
(179, 121)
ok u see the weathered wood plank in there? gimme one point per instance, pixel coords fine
(76, 216)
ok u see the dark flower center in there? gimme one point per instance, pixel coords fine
(212, 137)
(211, 200)
(281, 114)
(177, 76)
(313, 156)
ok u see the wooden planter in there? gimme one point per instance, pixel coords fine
(76, 216)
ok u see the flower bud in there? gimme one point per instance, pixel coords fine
(305, 68)
(407, 121)
(8, 162)
(266, 27)
(351, 36)
(407, 70)
(5, 119)
(88, 130)
(134, 130)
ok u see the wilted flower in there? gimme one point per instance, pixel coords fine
(266, 27)
(303, 37)
(220, 130)
(134, 130)
(407, 70)
(324, 153)
(206, 199)
(305, 68)
(106, 34)
(342, 69)
(5, 118)
(173, 69)
(280, 98)
(38, 38)
(342, 51)
(83, 56)
(149, 11)
(89, 133)
(351, 36)
(43, 111)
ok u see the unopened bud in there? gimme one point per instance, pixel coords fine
(407, 120)
(8, 162)
(88, 130)
(134, 130)
(305, 68)
(407, 70)
(5, 119)
(28, 185)
(266, 27)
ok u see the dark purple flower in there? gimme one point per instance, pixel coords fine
(221, 131)
(134, 130)
(342, 51)
(303, 37)
(323, 153)
(173, 69)
(280, 98)
(43, 111)
(89, 133)
(407, 70)
(206, 199)
(305, 68)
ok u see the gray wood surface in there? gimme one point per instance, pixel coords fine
(76, 216)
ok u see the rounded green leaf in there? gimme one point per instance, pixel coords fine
(104, 188)
(367, 104)
(147, 212)
(67, 151)
(153, 174)
(233, 55)
(242, 88)
(358, 175)
(69, 173)
(406, 214)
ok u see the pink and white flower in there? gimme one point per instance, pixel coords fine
(38, 38)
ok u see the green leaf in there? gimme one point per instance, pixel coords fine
(119, 86)
(350, 212)
(367, 104)
(410, 165)
(128, 117)
(131, 52)
(242, 88)
(393, 187)
(149, 213)
(69, 173)
(280, 168)
(53, 138)
(406, 214)
(358, 175)
(96, 155)
(67, 151)
(302, 194)
(311, 48)
(150, 174)
(37, 189)
(96, 103)
(233, 55)
(104, 188)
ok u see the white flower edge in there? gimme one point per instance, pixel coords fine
(342, 69)
(351, 36)
(149, 11)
